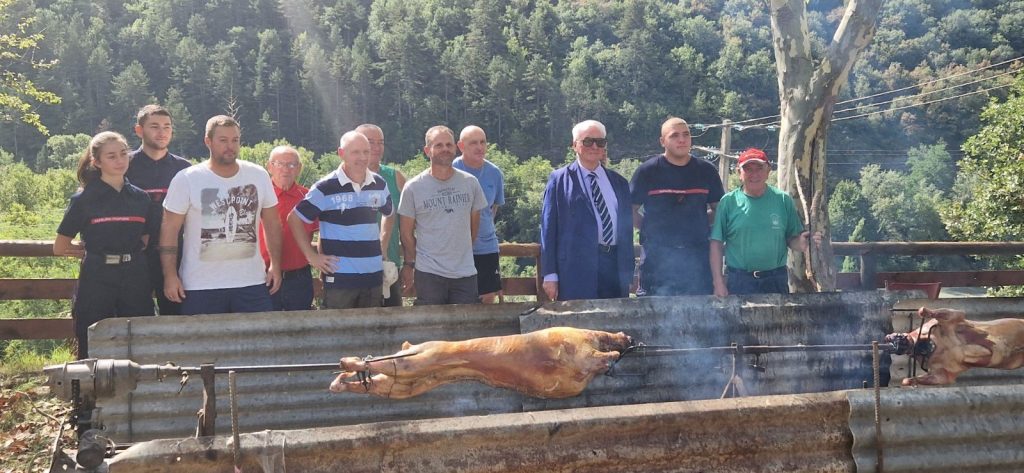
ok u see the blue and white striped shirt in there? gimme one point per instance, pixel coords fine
(348, 226)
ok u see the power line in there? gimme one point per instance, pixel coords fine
(922, 103)
(920, 84)
(933, 81)
(874, 104)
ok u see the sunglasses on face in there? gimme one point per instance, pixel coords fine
(600, 142)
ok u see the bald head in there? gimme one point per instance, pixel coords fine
(349, 137)
(354, 152)
(375, 136)
(473, 144)
(677, 141)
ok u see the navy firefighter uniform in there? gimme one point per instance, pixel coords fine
(154, 176)
(113, 280)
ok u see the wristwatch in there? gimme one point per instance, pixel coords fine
(411, 264)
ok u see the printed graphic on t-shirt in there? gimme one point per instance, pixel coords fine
(448, 199)
(229, 223)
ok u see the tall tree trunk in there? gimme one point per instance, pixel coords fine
(808, 88)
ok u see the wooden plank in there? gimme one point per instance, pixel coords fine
(519, 250)
(37, 289)
(930, 247)
(519, 286)
(26, 248)
(36, 329)
(955, 278)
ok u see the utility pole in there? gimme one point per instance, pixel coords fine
(723, 158)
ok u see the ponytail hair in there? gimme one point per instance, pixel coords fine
(87, 170)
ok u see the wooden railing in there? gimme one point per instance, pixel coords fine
(867, 278)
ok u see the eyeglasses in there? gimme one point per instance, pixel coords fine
(376, 142)
(600, 142)
(294, 165)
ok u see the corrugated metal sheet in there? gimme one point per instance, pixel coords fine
(956, 429)
(289, 400)
(796, 433)
(694, 322)
(977, 308)
(300, 400)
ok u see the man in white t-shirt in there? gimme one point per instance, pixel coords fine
(221, 202)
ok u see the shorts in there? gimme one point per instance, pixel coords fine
(488, 273)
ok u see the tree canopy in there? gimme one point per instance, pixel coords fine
(305, 70)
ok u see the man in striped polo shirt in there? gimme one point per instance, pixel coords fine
(346, 202)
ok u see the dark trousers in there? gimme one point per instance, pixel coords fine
(156, 277)
(676, 271)
(105, 291)
(348, 298)
(774, 281)
(225, 301)
(296, 292)
(395, 299)
(432, 289)
(608, 286)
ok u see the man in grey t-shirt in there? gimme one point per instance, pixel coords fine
(440, 216)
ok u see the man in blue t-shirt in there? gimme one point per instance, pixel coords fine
(678, 194)
(473, 144)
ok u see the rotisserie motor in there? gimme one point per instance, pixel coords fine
(553, 363)
(960, 344)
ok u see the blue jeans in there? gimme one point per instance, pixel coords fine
(223, 301)
(296, 292)
(773, 281)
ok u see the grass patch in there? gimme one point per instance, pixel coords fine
(29, 357)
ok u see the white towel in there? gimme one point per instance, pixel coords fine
(390, 276)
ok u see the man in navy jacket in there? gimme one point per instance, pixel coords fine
(586, 228)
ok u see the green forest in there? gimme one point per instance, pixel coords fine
(925, 142)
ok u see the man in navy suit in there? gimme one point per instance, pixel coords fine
(586, 229)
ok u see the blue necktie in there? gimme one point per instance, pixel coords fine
(602, 210)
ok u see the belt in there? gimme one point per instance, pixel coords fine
(116, 258)
(759, 274)
(606, 248)
(302, 270)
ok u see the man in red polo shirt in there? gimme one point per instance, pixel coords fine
(296, 291)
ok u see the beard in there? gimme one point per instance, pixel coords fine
(225, 159)
(154, 145)
(443, 159)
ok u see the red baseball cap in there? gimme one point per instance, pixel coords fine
(752, 154)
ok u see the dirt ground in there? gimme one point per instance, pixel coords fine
(29, 422)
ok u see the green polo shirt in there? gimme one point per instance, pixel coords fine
(755, 229)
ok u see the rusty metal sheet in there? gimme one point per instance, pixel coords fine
(289, 400)
(698, 321)
(977, 308)
(948, 429)
(793, 433)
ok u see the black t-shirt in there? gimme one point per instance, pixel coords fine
(675, 200)
(110, 221)
(154, 177)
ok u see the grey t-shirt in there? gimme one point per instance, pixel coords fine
(442, 210)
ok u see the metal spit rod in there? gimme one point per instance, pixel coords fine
(756, 349)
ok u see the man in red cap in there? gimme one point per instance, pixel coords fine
(756, 224)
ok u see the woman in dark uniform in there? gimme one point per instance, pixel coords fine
(115, 220)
